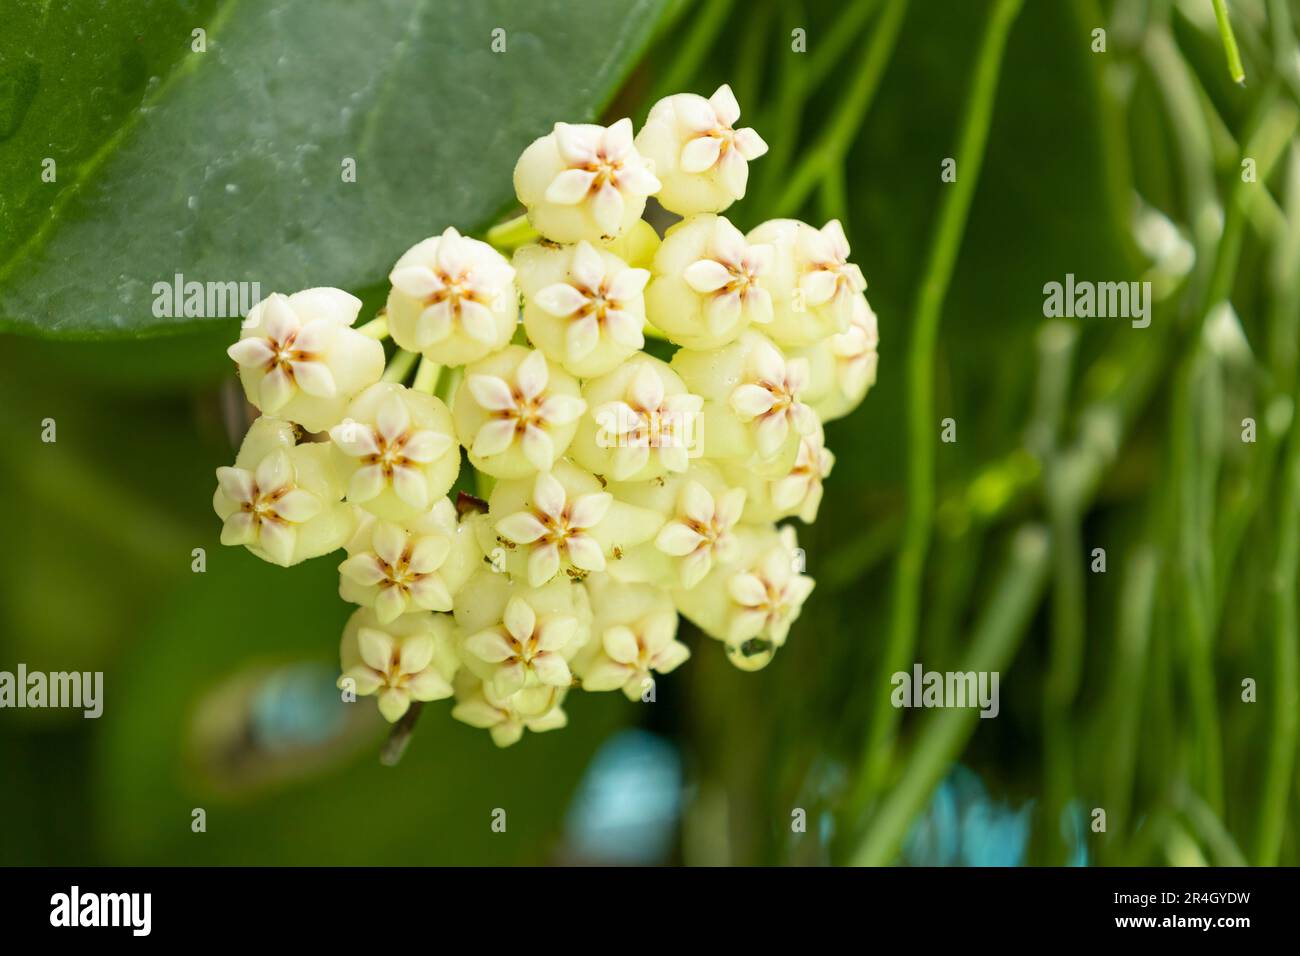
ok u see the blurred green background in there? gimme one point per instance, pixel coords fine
(1114, 156)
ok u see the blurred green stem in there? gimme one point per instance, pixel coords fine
(706, 24)
(833, 145)
(1235, 69)
(945, 732)
(919, 516)
(399, 366)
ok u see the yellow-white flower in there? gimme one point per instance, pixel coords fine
(584, 182)
(300, 359)
(396, 449)
(410, 658)
(641, 424)
(751, 603)
(710, 284)
(754, 409)
(478, 706)
(634, 627)
(813, 284)
(561, 521)
(418, 566)
(516, 413)
(699, 156)
(524, 647)
(798, 493)
(854, 355)
(583, 307)
(702, 511)
(453, 299)
(280, 500)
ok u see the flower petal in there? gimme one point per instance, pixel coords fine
(750, 401)
(376, 648)
(552, 669)
(724, 105)
(276, 390)
(490, 646)
(520, 619)
(621, 645)
(394, 419)
(411, 486)
(354, 439)
(418, 282)
(274, 472)
(298, 506)
(364, 569)
(570, 187)
(532, 375)
(607, 209)
(366, 484)
(493, 437)
(491, 393)
(538, 448)
(560, 299)
(426, 446)
(252, 352)
(543, 564)
(589, 510)
(549, 496)
(706, 275)
(700, 154)
(584, 552)
(237, 484)
(677, 539)
(522, 527)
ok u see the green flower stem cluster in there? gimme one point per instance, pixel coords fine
(620, 490)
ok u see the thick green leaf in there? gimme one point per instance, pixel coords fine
(227, 165)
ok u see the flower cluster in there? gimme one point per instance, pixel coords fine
(610, 487)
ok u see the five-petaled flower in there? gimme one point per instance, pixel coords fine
(630, 652)
(769, 398)
(699, 532)
(453, 299)
(395, 570)
(399, 661)
(584, 181)
(525, 649)
(519, 419)
(600, 298)
(642, 416)
(556, 530)
(401, 463)
(769, 593)
(701, 158)
(270, 505)
(300, 359)
(502, 717)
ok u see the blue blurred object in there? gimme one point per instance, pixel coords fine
(964, 826)
(296, 706)
(627, 806)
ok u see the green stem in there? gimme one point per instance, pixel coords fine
(921, 420)
(399, 366)
(375, 328)
(511, 234)
(1235, 69)
(834, 144)
(426, 377)
(996, 636)
(707, 24)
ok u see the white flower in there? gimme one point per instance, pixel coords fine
(634, 627)
(751, 604)
(710, 284)
(699, 532)
(754, 409)
(396, 569)
(524, 649)
(701, 159)
(515, 413)
(584, 182)
(555, 529)
(583, 307)
(299, 359)
(561, 521)
(640, 407)
(813, 284)
(478, 706)
(453, 299)
(280, 500)
(411, 658)
(854, 361)
(797, 493)
(396, 448)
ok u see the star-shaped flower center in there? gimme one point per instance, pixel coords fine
(392, 453)
(596, 301)
(701, 529)
(522, 645)
(600, 165)
(521, 410)
(291, 354)
(459, 288)
(770, 398)
(554, 528)
(270, 505)
(713, 140)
